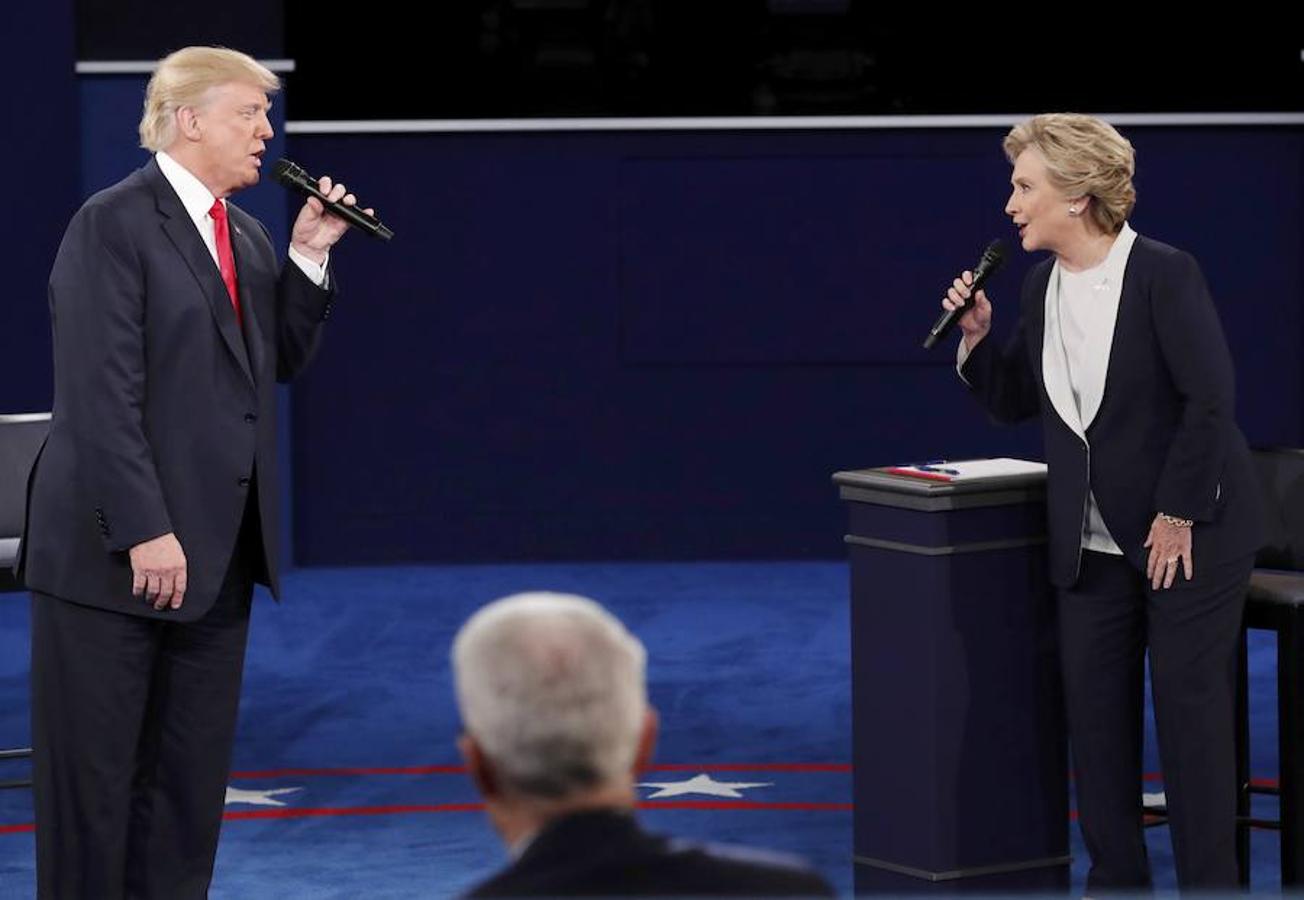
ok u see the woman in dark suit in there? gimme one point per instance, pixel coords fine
(1152, 504)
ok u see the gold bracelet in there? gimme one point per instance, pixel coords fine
(1173, 520)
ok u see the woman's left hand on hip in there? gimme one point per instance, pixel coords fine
(1170, 547)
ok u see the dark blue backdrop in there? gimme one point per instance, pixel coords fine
(38, 156)
(660, 345)
(645, 345)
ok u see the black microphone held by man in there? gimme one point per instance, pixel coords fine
(294, 178)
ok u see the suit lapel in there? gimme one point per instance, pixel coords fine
(181, 231)
(1054, 361)
(1128, 301)
(1042, 324)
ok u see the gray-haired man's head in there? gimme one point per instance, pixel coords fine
(553, 695)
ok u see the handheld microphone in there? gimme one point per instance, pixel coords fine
(296, 179)
(992, 259)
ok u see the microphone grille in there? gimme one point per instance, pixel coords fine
(286, 172)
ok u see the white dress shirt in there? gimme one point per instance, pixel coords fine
(1081, 311)
(198, 200)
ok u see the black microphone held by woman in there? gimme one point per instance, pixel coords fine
(293, 176)
(993, 258)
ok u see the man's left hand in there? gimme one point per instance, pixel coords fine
(316, 230)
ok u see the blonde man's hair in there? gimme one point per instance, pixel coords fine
(184, 77)
(1084, 156)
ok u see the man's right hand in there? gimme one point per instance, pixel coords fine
(978, 320)
(158, 571)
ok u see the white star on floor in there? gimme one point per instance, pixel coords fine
(701, 784)
(257, 798)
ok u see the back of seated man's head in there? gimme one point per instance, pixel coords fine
(553, 698)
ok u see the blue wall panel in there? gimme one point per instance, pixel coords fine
(39, 158)
(660, 345)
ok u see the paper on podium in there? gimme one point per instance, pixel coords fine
(961, 471)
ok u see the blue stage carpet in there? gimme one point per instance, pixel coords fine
(348, 784)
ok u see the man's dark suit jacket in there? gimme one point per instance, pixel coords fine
(164, 411)
(606, 853)
(1164, 439)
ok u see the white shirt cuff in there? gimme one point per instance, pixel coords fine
(316, 273)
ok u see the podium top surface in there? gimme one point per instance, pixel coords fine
(1024, 484)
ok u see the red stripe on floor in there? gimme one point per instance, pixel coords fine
(743, 804)
(1153, 777)
(750, 767)
(380, 770)
(290, 813)
(461, 770)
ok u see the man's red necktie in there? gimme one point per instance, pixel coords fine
(225, 259)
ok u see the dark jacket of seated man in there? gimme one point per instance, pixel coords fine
(556, 725)
(606, 853)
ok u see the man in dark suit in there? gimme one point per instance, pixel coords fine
(553, 699)
(153, 505)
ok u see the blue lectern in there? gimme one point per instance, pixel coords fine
(959, 743)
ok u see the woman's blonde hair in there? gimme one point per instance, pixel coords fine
(182, 78)
(1084, 156)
